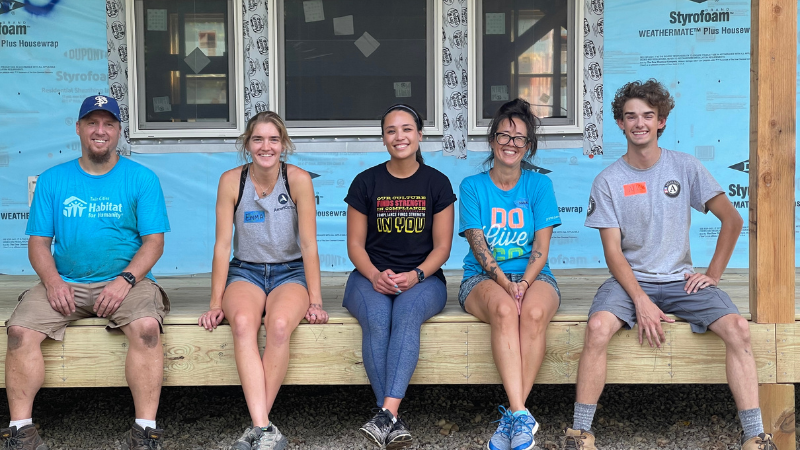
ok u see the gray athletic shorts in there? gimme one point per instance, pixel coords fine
(700, 309)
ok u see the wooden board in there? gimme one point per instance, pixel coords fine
(773, 86)
(778, 413)
(787, 338)
(189, 296)
(686, 357)
(453, 353)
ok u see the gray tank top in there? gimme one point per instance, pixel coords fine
(266, 228)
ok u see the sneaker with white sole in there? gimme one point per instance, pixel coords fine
(525, 426)
(399, 437)
(378, 428)
(501, 439)
(270, 439)
(245, 442)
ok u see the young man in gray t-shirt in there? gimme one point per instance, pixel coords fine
(642, 206)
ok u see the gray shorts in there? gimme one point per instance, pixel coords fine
(700, 309)
(469, 284)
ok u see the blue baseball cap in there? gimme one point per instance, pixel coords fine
(98, 102)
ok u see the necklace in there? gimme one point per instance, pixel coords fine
(264, 192)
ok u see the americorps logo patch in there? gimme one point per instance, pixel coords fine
(672, 189)
(283, 198)
(592, 206)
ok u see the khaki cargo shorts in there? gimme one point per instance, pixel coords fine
(34, 312)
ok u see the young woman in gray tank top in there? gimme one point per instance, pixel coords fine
(274, 272)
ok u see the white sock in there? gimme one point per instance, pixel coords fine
(144, 423)
(20, 423)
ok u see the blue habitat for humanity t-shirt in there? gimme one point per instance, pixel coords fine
(508, 219)
(97, 220)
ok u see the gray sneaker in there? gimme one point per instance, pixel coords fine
(399, 437)
(271, 439)
(378, 428)
(249, 436)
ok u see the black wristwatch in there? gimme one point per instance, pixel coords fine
(420, 274)
(127, 276)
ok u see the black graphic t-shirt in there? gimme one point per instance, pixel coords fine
(400, 214)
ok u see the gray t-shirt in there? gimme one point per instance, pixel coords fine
(651, 207)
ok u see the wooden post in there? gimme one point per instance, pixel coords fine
(777, 410)
(773, 69)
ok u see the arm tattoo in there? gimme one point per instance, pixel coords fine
(534, 256)
(480, 249)
(315, 305)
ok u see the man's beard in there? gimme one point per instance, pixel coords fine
(101, 158)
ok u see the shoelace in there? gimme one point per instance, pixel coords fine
(506, 421)
(520, 424)
(573, 443)
(13, 442)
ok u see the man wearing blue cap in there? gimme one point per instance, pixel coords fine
(108, 218)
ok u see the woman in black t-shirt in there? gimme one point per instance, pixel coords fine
(399, 233)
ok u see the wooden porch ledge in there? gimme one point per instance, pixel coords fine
(454, 350)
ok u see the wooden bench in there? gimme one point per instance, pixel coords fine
(455, 347)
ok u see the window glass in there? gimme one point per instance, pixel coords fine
(524, 51)
(185, 64)
(345, 61)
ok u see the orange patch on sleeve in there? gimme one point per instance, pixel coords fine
(635, 189)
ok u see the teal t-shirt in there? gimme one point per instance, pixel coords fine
(97, 221)
(508, 219)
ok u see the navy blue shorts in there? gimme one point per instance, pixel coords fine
(267, 276)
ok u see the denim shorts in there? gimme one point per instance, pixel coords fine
(265, 275)
(470, 283)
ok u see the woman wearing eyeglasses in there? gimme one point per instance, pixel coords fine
(507, 215)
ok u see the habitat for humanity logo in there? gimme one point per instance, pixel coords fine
(74, 207)
(99, 207)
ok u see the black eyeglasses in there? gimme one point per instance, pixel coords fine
(503, 139)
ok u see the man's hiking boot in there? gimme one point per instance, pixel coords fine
(761, 442)
(142, 439)
(578, 440)
(249, 436)
(26, 438)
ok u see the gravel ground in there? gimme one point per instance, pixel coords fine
(328, 417)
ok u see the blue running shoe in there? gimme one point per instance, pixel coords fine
(501, 440)
(525, 426)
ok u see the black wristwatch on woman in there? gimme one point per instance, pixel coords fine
(420, 274)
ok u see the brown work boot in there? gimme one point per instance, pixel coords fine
(26, 438)
(578, 440)
(761, 442)
(139, 439)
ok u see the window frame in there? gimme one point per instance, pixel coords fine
(136, 98)
(574, 77)
(336, 128)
